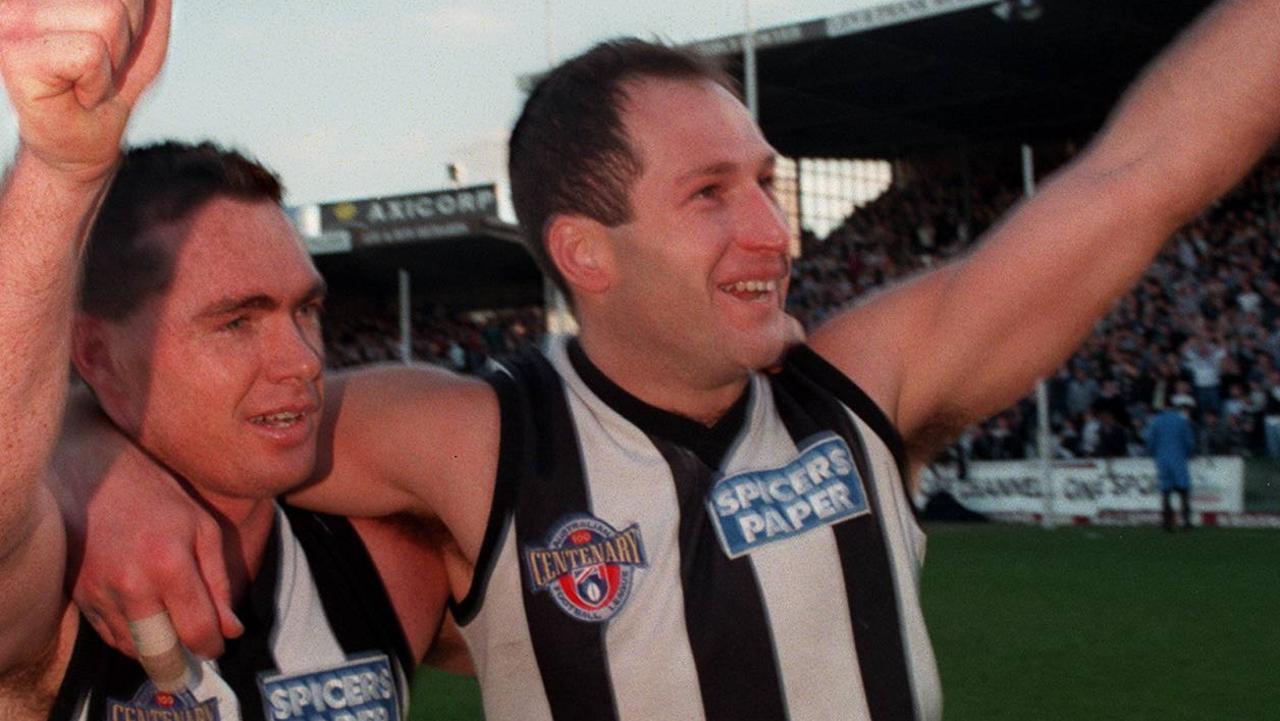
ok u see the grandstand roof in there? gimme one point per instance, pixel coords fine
(967, 75)
(488, 266)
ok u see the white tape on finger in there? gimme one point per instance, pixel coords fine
(173, 670)
(160, 653)
(153, 635)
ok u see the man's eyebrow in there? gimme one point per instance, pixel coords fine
(230, 305)
(724, 167)
(718, 168)
(235, 304)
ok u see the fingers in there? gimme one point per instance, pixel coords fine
(183, 592)
(133, 600)
(213, 569)
(108, 634)
(74, 70)
(159, 652)
(53, 38)
(169, 581)
(195, 617)
(42, 69)
(109, 20)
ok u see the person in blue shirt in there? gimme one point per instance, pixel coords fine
(1172, 441)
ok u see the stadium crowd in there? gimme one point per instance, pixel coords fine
(366, 330)
(1201, 329)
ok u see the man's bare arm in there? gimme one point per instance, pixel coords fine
(408, 439)
(956, 344)
(73, 72)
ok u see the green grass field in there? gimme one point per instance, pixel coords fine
(1079, 623)
(1107, 623)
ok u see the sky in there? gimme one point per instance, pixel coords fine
(350, 99)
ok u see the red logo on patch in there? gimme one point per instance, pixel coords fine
(587, 566)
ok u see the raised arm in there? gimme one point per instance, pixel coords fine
(73, 72)
(959, 343)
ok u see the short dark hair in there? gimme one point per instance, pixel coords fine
(160, 183)
(569, 151)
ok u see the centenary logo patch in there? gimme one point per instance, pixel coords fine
(362, 689)
(820, 487)
(149, 704)
(586, 566)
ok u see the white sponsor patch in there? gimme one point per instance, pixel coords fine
(819, 487)
(362, 689)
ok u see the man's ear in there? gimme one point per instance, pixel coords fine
(91, 355)
(579, 247)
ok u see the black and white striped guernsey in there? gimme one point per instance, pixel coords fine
(638, 565)
(321, 642)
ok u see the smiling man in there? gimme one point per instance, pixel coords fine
(686, 512)
(199, 333)
(198, 330)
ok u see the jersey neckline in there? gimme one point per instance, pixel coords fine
(709, 443)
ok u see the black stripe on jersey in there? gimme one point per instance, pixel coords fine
(570, 653)
(815, 367)
(725, 617)
(807, 409)
(724, 611)
(88, 663)
(355, 600)
(246, 656)
(510, 454)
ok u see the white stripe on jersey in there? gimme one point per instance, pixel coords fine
(506, 652)
(622, 459)
(302, 638)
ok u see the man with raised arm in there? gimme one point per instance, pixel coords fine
(197, 329)
(684, 512)
(73, 76)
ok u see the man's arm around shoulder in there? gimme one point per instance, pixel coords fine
(408, 439)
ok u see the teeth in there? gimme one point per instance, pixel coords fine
(278, 419)
(751, 286)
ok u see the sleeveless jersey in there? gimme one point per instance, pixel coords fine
(322, 643)
(639, 565)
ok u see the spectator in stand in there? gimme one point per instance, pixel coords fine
(1068, 441)
(1182, 397)
(1271, 413)
(1236, 404)
(1090, 434)
(1110, 401)
(1240, 431)
(1113, 439)
(1203, 360)
(1215, 436)
(1082, 391)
